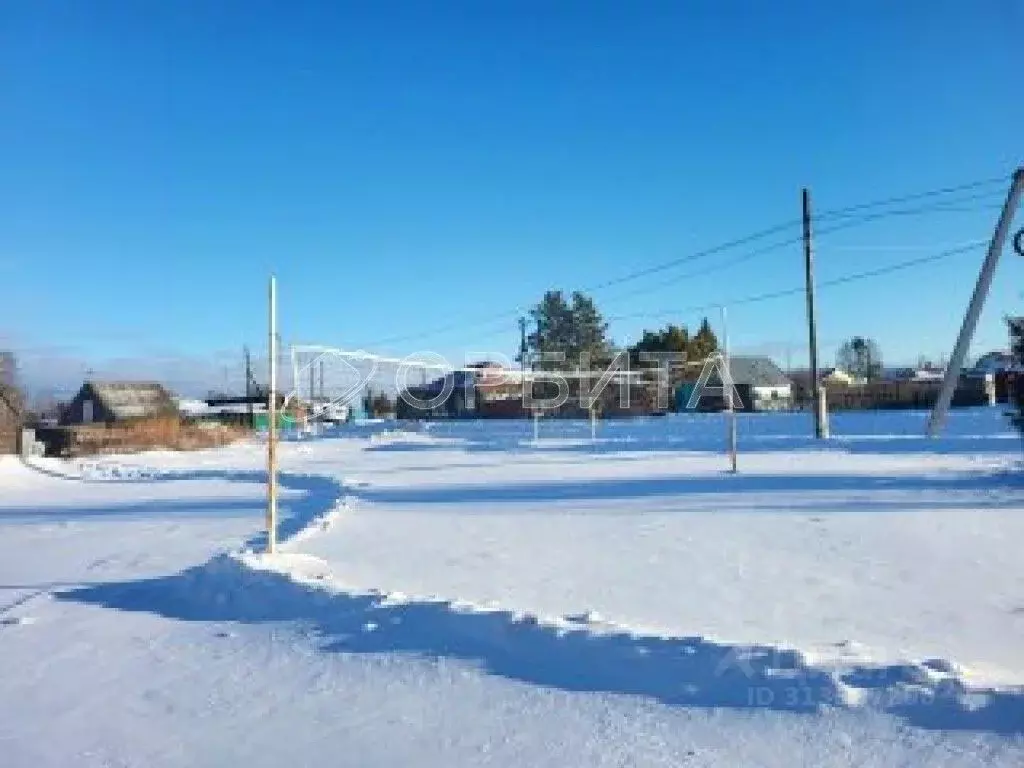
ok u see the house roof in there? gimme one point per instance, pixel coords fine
(133, 399)
(757, 372)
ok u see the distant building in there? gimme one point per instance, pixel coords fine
(912, 373)
(838, 377)
(760, 383)
(997, 361)
(929, 374)
(11, 417)
(447, 397)
(8, 368)
(1016, 328)
(113, 402)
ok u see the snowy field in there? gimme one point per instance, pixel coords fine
(457, 594)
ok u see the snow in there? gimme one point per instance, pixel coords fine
(455, 594)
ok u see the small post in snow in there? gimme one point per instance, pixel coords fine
(593, 425)
(272, 426)
(727, 383)
(822, 415)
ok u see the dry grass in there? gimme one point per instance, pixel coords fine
(152, 434)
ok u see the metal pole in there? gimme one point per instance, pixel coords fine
(988, 268)
(727, 383)
(812, 330)
(248, 387)
(272, 426)
(522, 344)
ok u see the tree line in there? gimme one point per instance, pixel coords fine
(569, 331)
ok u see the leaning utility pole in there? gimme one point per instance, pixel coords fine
(272, 425)
(812, 331)
(988, 268)
(312, 385)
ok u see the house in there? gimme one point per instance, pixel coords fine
(114, 402)
(1016, 327)
(760, 384)
(993, 362)
(11, 415)
(800, 380)
(838, 377)
(450, 396)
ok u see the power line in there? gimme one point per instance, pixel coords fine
(492, 320)
(729, 245)
(917, 196)
(860, 221)
(735, 243)
(853, 277)
(833, 213)
(800, 289)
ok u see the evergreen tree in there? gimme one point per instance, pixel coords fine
(703, 344)
(589, 332)
(674, 338)
(571, 329)
(552, 319)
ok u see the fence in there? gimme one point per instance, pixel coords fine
(881, 395)
(150, 434)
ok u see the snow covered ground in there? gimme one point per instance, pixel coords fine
(456, 594)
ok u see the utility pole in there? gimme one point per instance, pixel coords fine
(988, 268)
(812, 330)
(272, 425)
(522, 344)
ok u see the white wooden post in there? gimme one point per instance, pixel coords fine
(728, 384)
(272, 425)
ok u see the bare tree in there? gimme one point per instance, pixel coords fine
(860, 357)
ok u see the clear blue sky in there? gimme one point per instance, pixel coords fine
(404, 166)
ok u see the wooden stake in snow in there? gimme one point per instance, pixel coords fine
(728, 386)
(272, 425)
(822, 413)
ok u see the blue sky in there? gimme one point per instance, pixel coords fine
(408, 166)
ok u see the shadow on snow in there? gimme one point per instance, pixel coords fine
(569, 655)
